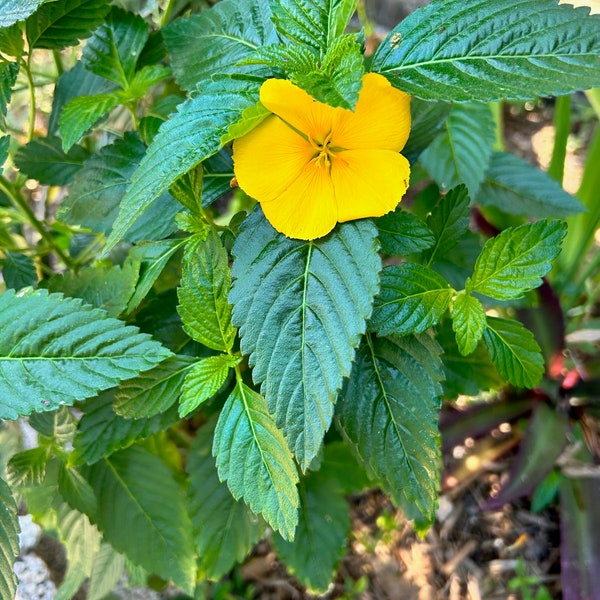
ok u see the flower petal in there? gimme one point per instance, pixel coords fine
(269, 158)
(306, 209)
(381, 118)
(368, 183)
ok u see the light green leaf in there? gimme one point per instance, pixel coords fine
(468, 322)
(486, 50)
(401, 233)
(63, 23)
(301, 308)
(515, 187)
(76, 491)
(215, 41)
(18, 270)
(205, 283)
(514, 261)
(145, 78)
(190, 136)
(225, 530)
(514, 351)
(462, 151)
(40, 370)
(17, 10)
(11, 39)
(27, 468)
(106, 571)
(249, 119)
(112, 52)
(389, 413)
(8, 78)
(412, 299)
(427, 120)
(253, 457)
(204, 380)
(58, 425)
(188, 190)
(154, 391)
(142, 513)
(9, 541)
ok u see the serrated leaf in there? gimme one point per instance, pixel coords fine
(218, 172)
(389, 413)
(462, 151)
(11, 40)
(63, 23)
(301, 308)
(253, 457)
(225, 530)
(9, 541)
(188, 190)
(95, 195)
(249, 119)
(18, 270)
(411, 300)
(145, 78)
(514, 261)
(58, 425)
(514, 352)
(187, 138)
(40, 370)
(44, 159)
(515, 187)
(203, 304)
(204, 380)
(113, 50)
(154, 391)
(401, 233)
(487, 50)
(106, 571)
(76, 491)
(427, 120)
(468, 322)
(8, 78)
(27, 468)
(141, 512)
(17, 10)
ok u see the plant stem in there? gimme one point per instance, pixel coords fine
(499, 125)
(32, 107)
(562, 128)
(167, 13)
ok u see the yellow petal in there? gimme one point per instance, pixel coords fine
(306, 209)
(381, 118)
(368, 183)
(269, 158)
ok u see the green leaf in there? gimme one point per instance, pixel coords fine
(515, 187)
(401, 233)
(27, 468)
(205, 283)
(486, 50)
(514, 352)
(249, 119)
(8, 78)
(218, 172)
(95, 195)
(40, 370)
(18, 270)
(76, 491)
(188, 190)
(468, 322)
(112, 52)
(145, 78)
(9, 541)
(301, 308)
(17, 10)
(461, 153)
(190, 136)
(204, 380)
(141, 512)
(58, 425)
(254, 459)
(412, 299)
(81, 113)
(63, 23)
(154, 391)
(427, 120)
(389, 413)
(44, 159)
(449, 221)
(225, 530)
(106, 571)
(514, 261)
(11, 40)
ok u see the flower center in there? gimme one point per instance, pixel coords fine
(324, 153)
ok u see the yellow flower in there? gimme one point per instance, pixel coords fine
(311, 165)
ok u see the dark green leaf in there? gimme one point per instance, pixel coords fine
(427, 120)
(218, 172)
(190, 136)
(389, 413)
(514, 351)
(225, 529)
(95, 195)
(27, 468)
(468, 322)
(215, 41)
(486, 50)
(462, 151)
(514, 261)
(11, 40)
(254, 459)
(141, 512)
(107, 569)
(63, 23)
(412, 299)
(17, 10)
(188, 190)
(8, 77)
(112, 52)
(401, 233)
(205, 283)
(39, 369)
(4, 144)
(301, 308)
(76, 491)
(9, 541)
(44, 159)
(515, 187)
(18, 270)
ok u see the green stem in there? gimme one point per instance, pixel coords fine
(167, 13)
(363, 17)
(134, 119)
(499, 125)
(32, 107)
(58, 62)
(562, 129)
